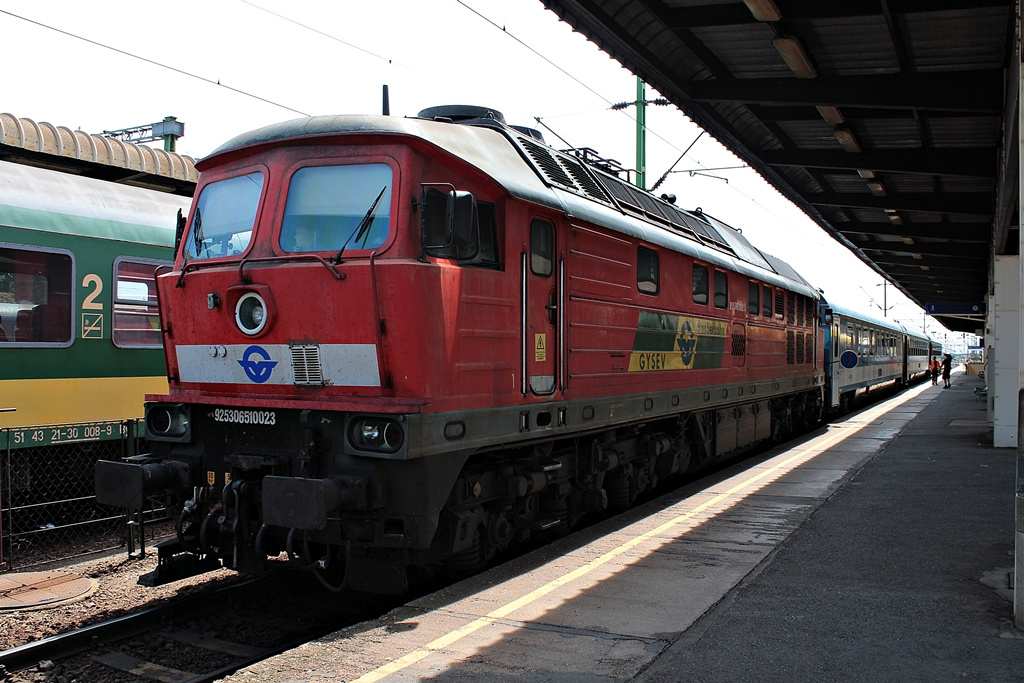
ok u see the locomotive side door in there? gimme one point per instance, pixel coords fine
(542, 311)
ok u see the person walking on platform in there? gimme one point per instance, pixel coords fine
(947, 368)
(933, 367)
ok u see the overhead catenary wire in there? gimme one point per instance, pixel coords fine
(316, 30)
(280, 17)
(204, 79)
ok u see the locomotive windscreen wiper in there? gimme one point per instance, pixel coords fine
(364, 225)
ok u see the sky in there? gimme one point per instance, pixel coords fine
(224, 67)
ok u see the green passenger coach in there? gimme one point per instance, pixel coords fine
(80, 338)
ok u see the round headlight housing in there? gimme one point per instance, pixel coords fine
(167, 422)
(381, 434)
(251, 313)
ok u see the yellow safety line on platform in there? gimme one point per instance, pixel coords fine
(454, 636)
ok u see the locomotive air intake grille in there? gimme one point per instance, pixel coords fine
(306, 363)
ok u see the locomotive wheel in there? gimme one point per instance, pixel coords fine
(470, 560)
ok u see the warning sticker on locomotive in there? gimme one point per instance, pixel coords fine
(677, 342)
(540, 348)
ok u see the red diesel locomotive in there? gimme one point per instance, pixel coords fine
(397, 346)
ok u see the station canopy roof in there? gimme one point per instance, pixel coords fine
(886, 121)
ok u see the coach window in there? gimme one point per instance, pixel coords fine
(766, 304)
(721, 289)
(136, 322)
(647, 270)
(35, 297)
(700, 284)
(754, 299)
(542, 248)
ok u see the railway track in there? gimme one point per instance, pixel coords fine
(201, 638)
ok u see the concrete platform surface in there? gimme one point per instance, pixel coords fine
(876, 549)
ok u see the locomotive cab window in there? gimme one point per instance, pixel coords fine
(136, 319)
(700, 284)
(647, 270)
(332, 208)
(35, 297)
(224, 217)
(721, 289)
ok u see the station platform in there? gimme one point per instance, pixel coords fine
(879, 548)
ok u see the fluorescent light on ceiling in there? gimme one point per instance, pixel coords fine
(793, 54)
(763, 10)
(846, 138)
(831, 114)
(877, 188)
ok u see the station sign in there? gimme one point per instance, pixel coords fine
(954, 308)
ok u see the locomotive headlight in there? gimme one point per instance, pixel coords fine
(167, 422)
(251, 313)
(377, 434)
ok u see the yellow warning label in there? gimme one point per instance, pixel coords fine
(540, 347)
(227, 477)
(211, 478)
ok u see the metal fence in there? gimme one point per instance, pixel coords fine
(48, 509)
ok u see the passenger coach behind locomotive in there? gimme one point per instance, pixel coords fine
(410, 343)
(864, 353)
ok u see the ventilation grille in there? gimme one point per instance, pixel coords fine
(563, 170)
(569, 173)
(306, 363)
(646, 205)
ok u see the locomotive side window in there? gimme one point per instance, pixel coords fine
(721, 289)
(542, 247)
(754, 299)
(780, 304)
(224, 217)
(766, 311)
(647, 270)
(136, 319)
(700, 284)
(331, 208)
(35, 297)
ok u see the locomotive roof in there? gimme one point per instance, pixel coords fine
(54, 201)
(534, 172)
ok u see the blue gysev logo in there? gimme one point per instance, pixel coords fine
(257, 364)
